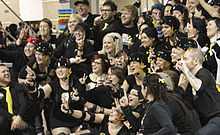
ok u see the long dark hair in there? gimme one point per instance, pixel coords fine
(156, 87)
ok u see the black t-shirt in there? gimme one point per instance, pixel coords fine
(157, 120)
(180, 115)
(57, 117)
(132, 83)
(206, 99)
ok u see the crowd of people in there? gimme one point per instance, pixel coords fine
(116, 73)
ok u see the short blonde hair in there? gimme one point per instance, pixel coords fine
(76, 17)
(197, 54)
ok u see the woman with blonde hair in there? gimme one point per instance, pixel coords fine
(112, 44)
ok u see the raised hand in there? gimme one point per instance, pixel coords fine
(82, 80)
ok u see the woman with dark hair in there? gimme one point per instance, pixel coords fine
(171, 33)
(168, 10)
(149, 45)
(99, 65)
(196, 30)
(136, 72)
(145, 18)
(181, 13)
(133, 108)
(157, 116)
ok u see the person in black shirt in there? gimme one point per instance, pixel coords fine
(200, 91)
(157, 116)
(20, 56)
(82, 51)
(212, 51)
(57, 90)
(136, 72)
(66, 40)
(105, 23)
(83, 9)
(133, 109)
(129, 28)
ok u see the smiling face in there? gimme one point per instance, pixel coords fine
(62, 72)
(191, 31)
(146, 41)
(97, 66)
(133, 98)
(168, 10)
(5, 76)
(41, 58)
(167, 30)
(44, 29)
(108, 44)
(156, 14)
(115, 116)
(189, 60)
(212, 29)
(73, 21)
(121, 61)
(136, 67)
(162, 64)
(113, 78)
(106, 13)
(178, 15)
(29, 49)
(126, 17)
(79, 34)
(82, 9)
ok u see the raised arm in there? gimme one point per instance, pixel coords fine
(210, 9)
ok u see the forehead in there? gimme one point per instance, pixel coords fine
(211, 22)
(108, 38)
(29, 45)
(126, 11)
(62, 68)
(39, 53)
(74, 18)
(155, 10)
(144, 34)
(42, 23)
(97, 60)
(134, 92)
(176, 12)
(2, 68)
(106, 7)
(81, 5)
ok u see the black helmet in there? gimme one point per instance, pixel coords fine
(62, 62)
(44, 48)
